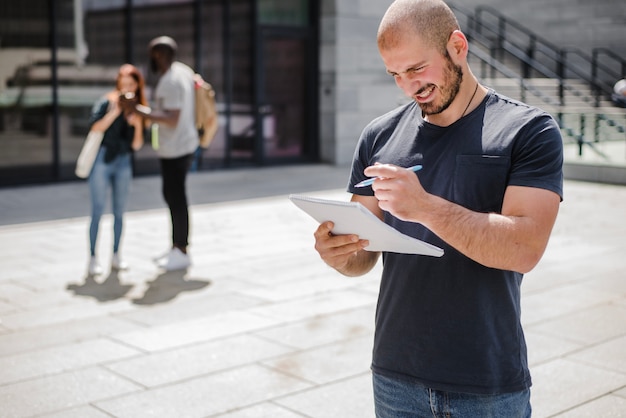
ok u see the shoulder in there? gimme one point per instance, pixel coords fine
(497, 102)
(391, 120)
(101, 104)
(503, 111)
(182, 70)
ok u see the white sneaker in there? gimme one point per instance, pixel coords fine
(94, 267)
(175, 260)
(117, 263)
(161, 258)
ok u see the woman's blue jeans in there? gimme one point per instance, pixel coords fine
(395, 398)
(117, 175)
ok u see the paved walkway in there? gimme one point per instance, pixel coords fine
(259, 326)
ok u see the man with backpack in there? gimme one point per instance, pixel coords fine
(173, 119)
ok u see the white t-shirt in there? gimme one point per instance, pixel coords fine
(175, 90)
(620, 87)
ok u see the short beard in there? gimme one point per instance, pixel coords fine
(452, 84)
(154, 66)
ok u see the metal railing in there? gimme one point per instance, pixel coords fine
(589, 129)
(501, 39)
(539, 56)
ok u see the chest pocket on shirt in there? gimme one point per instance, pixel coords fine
(480, 181)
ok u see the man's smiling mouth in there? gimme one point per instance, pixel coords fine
(425, 93)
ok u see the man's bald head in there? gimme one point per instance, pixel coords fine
(430, 20)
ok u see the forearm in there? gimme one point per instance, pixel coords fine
(138, 137)
(499, 241)
(105, 122)
(169, 118)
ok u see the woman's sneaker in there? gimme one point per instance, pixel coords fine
(117, 263)
(94, 267)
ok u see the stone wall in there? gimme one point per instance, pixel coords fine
(354, 87)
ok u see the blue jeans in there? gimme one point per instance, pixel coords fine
(117, 174)
(395, 398)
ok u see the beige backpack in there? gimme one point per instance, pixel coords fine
(206, 112)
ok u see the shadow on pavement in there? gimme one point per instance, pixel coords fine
(108, 290)
(164, 288)
(167, 286)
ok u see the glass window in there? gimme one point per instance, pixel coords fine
(283, 12)
(211, 62)
(152, 18)
(96, 34)
(25, 91)
(253, 52)
(284, 91)
(242, 110)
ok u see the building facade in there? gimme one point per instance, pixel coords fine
(296, 80)
(57, 57)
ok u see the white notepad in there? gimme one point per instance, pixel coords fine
(354, 218)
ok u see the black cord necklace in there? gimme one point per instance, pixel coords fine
(470, 100)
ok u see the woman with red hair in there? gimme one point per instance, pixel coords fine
(123, 134)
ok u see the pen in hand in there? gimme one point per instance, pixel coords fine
(370, 181)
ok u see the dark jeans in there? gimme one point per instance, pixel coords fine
(174, 175)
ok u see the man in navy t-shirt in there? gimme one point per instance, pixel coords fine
(448, 335)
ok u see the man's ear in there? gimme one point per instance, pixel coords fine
(457, 45)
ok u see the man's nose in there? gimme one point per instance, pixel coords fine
(409, 84)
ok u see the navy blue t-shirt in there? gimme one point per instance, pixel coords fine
(450, 323)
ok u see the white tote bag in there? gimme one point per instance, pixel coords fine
(88, 154)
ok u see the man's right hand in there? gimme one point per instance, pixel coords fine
(344, 253)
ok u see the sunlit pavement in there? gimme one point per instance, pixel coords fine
(259, 326)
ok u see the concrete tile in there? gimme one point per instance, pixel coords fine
(48, 298)
(586, 326)
(7, 308)
(350, 398)
(49, 361)
(154, 311)
(317, 305)
(610, 355)
(263, 410)
(11, 292)
(194, 331)
(564, 384)
(201, 346)
(324, 329)
(11, 259)
(61, 334)
(196, 360)
(542, 348)
(566, 261)
(328, 363)
(61, 392)
(561, 300)
(611, 281)
(608, 406)
(80, 412)
(56, 315)
(301, 287)
(205, 396)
